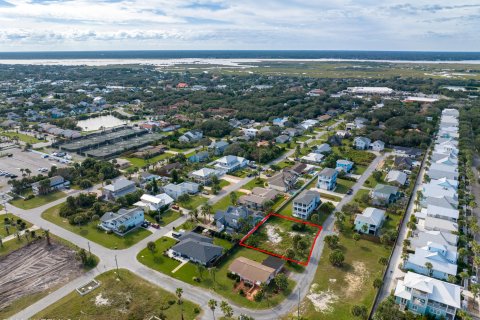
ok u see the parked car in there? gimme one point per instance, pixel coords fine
(350, 191)
(155, 225)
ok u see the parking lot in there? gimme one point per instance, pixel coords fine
(23, 160)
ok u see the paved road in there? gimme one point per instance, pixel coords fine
(393, 272)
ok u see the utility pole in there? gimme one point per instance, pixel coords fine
(116, 262)
(89, 252)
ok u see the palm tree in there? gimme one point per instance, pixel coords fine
(464, 275)
(206, 211)
(46, 233)
(233, 198)
(1, 242)
(28, 172)
(429, 267)
(179, 293)
(212, 304)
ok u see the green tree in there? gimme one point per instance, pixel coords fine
(212, 304)
(359, 311)
(151, 246)
(226, 309)
(332, 241)
(281, 282)
(336, 258)
(377, 283)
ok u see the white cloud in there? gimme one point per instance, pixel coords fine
(246, 24)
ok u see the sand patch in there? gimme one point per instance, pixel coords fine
(273, 235)
(356, 279)
(322, 301)
(101, 301)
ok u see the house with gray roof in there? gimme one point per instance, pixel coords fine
(235, 218)
(442, 261)
(397, 177)
(423, 238)
(176, 190)
(370, 221)
(362, 143)
(305, 203)
(122, 221)
(118, 188)
(197, 249)
(284, 181)
(218, 147)
(323, 148)
(384, 194)
(56, 183)
(327, 179)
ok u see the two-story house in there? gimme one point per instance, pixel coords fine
(118, 188)
(362, 143)
(176, 190)
(327, 179)
(305, 203)
(231, 163)
(370, 221)
(344, 165)
(427, 296)
(122, 221)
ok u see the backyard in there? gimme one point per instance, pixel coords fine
(219, 282)
(193, 202)
(21, 136)
(167, 217)
(37, 201)
(140, 163)
(91, 232)
(126, 296)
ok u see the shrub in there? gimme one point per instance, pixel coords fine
(30, 196)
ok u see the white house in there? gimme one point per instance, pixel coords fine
(305, 203)
(154, 203)
(396, 176)
(250, 132)
(362, 143)
(205, 175)
(191, 136)
(370, 221)
(377, 145)
(122, 221)
(427, 296)
(231, 163)
(443, 262)
(314, 158)
(176, 190)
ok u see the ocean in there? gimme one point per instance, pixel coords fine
(226, 57)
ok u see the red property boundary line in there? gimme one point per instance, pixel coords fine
(303, 263)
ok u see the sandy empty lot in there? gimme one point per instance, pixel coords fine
(36, 268)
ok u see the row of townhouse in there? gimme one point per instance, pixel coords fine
(433, 244)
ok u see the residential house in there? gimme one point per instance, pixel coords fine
(166, 170)
(196, 248)
(122, 221)
(177, 190)
(146, 177)
(443, 262)
(342, 134)
(370, 221)
(56, 183)
(423, 238)
(403, 163)
(280, 122)
(305, 203)
(234, 218)
(204, 176)
(397, 177)
(218, 147)
(201, 156)
(299, 168)
(362, 143)
(384, 194)
(119, 188)
(436, 224)
(407, 152)
(377, 145)
(250, 132)
(427, 296)
(327, 179)
(439, 171)
(154, 203)
(344, 165)
(323, 148)
(231, 163)
(254, 273)
(313, 158)
(440, 211)
(282, 138)
(191, 136)
(284, 181)
(257, 199)
(292, 132)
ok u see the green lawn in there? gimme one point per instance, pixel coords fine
(359, 169)
(358, 198)
(223, 183)
(21, 136)
(222, 285)
(193, 202)
(330, 197)
(371, 182)
(343, 185)
(140, 163)
(167, 217)
(226, 201)
(92, 233)
(254, 183)
(348, 285)
(240, 173)
(303, 138)
(11, 226)
(38, 201)
(284, 164)
(130, 297)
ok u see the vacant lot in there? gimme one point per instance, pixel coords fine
(20, 136)
(124, 297)
(34, 271)
(37, 201)
(279, 236)
(92, 233)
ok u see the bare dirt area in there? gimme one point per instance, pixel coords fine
(35, 268)
(356, 279)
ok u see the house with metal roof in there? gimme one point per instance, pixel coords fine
(118, 188)
(327, 179)
(427, 296)
(397, 177)
(231, 163)
(122, 221)
(56, 183)
(234, 218)
(370, 221)
(433, 260)
(305, 203)
(384, 194)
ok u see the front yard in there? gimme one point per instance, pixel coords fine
(225, 202)
(193, 202)
(257, 182)
(37, 201)
(167, 217)
(21, 136)
(12, 224)
(91, 232)
(344, 185)
(140, 163)
(217, 281)
(126, 296)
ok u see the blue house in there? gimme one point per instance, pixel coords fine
(122, 221)
(344, 165)
(199, 157)
(327, 179)
(427, 296)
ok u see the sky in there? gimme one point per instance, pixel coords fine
(83, 25)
